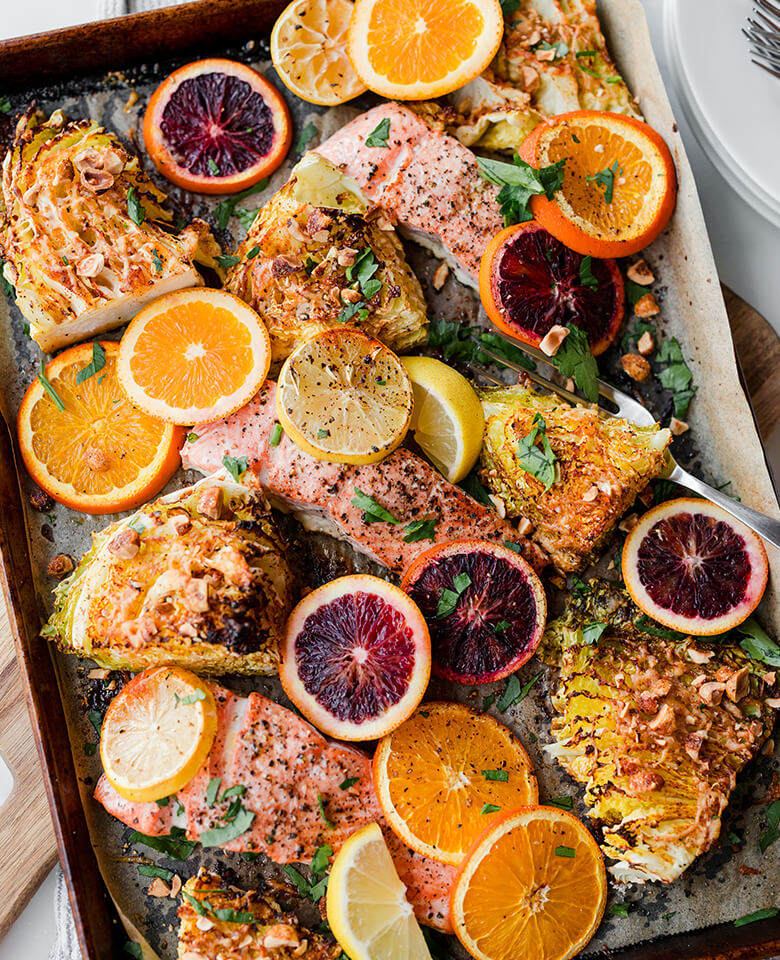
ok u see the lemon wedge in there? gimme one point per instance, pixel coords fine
(157, 733)
(309, 51)
(344, 396)
(448, 421)
(366, 902)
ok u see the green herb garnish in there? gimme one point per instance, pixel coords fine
(175, 845)
(305, 137)
(449, 598)
(677, 377)
(95, 365)
(771, 833)
(157, 261)
(348, 782)
(380, 133)
(213, 168)
(519, 181)
(218, 836)
(135, 209)
(591, 632)
(766, 914)
(757, 644)
(586, 55)
(563, 803)
(539, 461)
(565, 852)
(362, 271)
(90, 749)
(586, 273)
(276, 434)
(560, 48)
(620, 909)
(192, 437)
(646, 625)
(7, 287)
(46, 384)
(417, 530)
(227, 260)
(148, 870)
(373, 512)
(475, 489)
(96, 719)
(226, 208)
(606, 178)
(321, 858)
(190, 698)
(502, 626)
(489, 808)
(5, 105)
(500, 775)
(323, 812)
(321, 434)
(212, 790)
(235, 466)
(514, 693)
(461, 342)
(253, 252)
(351, 310)
(574, 359)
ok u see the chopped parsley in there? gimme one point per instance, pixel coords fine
(771, 833)
(574, 359)
(226, 208)
(321, 858)
(449, 598)
(235, 466)
(324, 813)
(217, 836)
(475, 489)
(586, 55)
(213, 790)
(227, 260)
(157, 261)
(380, 133)
(309, 264)
(149, 870)
(5, 105)
(322, 433)
(7, 287)
(563, 803)
(351, 310)
(560, 48)
(500, 775)
(606, 178)
(192, 437)
(46, 384)
(460, 342)
(766, 914)
(502, 626)
(519, 181)
(226, 914)
(620, 909)
(237, 790)
(676, 377)
(362, 271)
(373, 512)
(487, 702)
(586, 273)
(646, 625)
(133, 950)
(635, 331)
(508, 7)
(90, 749)
(348, 782)
(135, 209)
(579, 588)
(539, 461)
(513, 546)
(253, 252)
(514, 693)
(305, 137)
(565, 852)
(315, 889)
(591, 632)
(190, 698)
(96, 719)
(246, 218)
(757, 644)
(213, 167)
(489, 808)
(94, 366)
(276, 434)
(174, 845)
(417, 530)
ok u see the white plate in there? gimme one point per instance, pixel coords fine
(732, 106)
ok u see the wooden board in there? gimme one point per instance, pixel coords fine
(26, 834)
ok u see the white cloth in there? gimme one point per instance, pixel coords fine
(118, 8)
(66, 946)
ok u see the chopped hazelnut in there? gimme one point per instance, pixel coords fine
(60, 566)
(661, 687)
(131, 101)
(41, 501)
(636, 366)
(569, 384)
(738, 685)
(91, 265)
(530, 79)
(175, 885)
(280, 935)
(525, 527)
(319, 220)
(196, 595)
(546, 56)
(321, 236)
(384, 224)
(210, 503)
(98, 673)
(694, 743)
(180, 524)
(628, 523)
(348, 295)
(285, 264)
(769, 678)
(96, 460)
(126, 544)
(773, 702)
(440, 276)
(640, 273)
(647, 703)
(769, 747)
(347, 256)
(644, 782)
(499, 504)
(664, 721)
(552, 341)
(700, 656)
(712, 692)
(646, 306)
(678, 427)
(646, 344)
(159, 888)
(204, 924)
(591, 493)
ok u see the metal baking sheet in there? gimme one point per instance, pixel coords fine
(720, 447)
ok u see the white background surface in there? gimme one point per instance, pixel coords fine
(747, 252)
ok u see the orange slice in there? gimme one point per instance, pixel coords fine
(309, 51)
(444, 774)
(194, 356)
(415, 49)
(619, 186)
(157, 732)
(99, 454)
(533, 887)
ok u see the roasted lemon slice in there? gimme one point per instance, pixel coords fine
(366, 902)
(345, 397)
(309, 51)
(157, 733)
(448, 422)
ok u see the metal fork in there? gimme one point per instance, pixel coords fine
(763, 32)
(629, 409)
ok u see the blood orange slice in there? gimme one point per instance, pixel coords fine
(216, 126)
(484, 605)
(694, 568)
(356, 657)
(529, 281)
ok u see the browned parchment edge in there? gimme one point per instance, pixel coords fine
(61, 55)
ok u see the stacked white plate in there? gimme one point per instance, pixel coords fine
(731, 105)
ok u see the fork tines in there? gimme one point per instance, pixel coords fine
(763, 32)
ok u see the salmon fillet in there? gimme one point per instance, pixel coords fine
(293, 779)
(427, 180)
(319, 493)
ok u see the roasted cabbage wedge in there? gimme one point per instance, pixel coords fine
(655, 729)
(221, 922)
(80, 231)
(553, 59)
(299, 265)
(602, 464)
(197, 578)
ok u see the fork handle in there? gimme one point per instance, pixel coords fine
(764, 526)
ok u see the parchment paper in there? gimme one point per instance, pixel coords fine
(723, 445)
